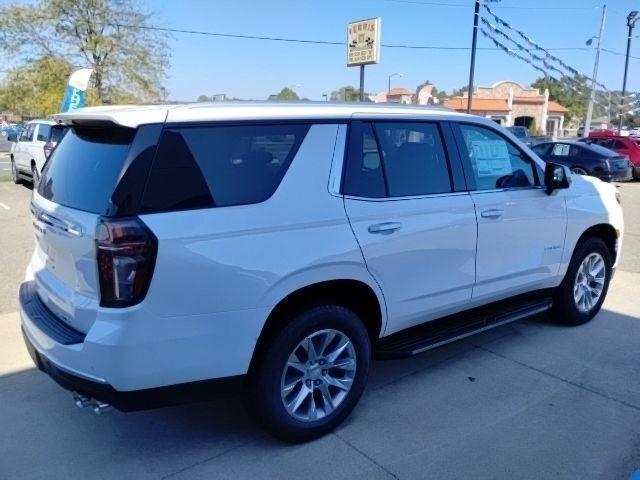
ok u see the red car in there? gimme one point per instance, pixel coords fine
(629, 146)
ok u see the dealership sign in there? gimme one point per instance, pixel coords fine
(363, 42)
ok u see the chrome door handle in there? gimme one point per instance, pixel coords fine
(493, 213)
(385, 228)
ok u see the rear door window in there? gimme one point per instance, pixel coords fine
(209, 166)
(83, 170)
(44, 131)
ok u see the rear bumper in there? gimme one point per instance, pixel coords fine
(137, 399)
(130, 355)
(615, 175)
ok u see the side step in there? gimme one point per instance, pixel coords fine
(455, 327)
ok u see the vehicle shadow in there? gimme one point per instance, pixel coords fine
(44, 434)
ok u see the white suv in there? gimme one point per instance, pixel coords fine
(279, 247)
(28, 153)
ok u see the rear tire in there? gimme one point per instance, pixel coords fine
(580, 295)
(35, 176)
(311, 374)
(14, 172)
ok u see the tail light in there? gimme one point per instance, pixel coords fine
(126, 256)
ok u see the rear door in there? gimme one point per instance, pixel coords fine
(521, 229)
(21, 153)
(75, 190)
(41, 137)
(405, 199)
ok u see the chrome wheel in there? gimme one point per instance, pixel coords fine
(589, 283)
(318, 375)
(579, 171)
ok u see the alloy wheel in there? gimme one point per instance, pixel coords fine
(589, 282)
(579, 171)
(318, 375)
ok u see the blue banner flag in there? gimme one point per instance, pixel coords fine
(74, 96)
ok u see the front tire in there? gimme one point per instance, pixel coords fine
(579, 171)
(585, 285)
(311, 374)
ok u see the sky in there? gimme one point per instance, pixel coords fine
(254, 69)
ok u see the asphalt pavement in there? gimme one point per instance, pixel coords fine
(531, 400)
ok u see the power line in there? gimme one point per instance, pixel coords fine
(466, 5)
(307, 41)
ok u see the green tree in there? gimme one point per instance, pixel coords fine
(347, 94)
(114, 37)
(286, 94)
(36, 89)
(459, 92)
(203, 98)
(564, 92)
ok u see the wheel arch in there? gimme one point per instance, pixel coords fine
(604, 231)
(362, 298)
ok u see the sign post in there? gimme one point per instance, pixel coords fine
(363, 46)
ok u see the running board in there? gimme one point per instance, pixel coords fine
(439, 332)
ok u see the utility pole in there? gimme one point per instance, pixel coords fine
(474, 42)
(587, 123)
(631, 22)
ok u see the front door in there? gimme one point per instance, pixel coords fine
(521, 229)
(417, 234)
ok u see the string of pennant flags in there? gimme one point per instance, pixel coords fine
(569, 82)
(534, 50)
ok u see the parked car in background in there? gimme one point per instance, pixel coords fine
(173, 255)
(29, 154)
(635, 132)
(624, 145)
(6, 135)
(585, 159)
(522, 134)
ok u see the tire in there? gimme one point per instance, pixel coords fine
(574, 303)
(35, 176)
(579, 171)
(14, 172)
(272, 383)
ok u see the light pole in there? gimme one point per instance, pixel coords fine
(389, 81)
(632, 18)
(326, 97)
(587, 123)
(474, 42)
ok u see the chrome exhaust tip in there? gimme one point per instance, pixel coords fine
(97, 406)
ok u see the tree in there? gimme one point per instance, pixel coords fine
(203, 98)
(459, 92)
(36, 89)
(286, 94)
(348, 94)
(114, 37)
(563, 93)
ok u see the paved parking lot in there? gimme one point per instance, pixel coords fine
(531, 400)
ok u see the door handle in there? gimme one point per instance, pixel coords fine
(493, 213)
(385, 228)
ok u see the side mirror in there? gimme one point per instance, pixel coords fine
(556, 176)
(12, 137)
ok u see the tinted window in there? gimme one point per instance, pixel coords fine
(84, 168)
(542, 149)
(57, 132)
(363, 175)
(43, 132)
(413, 158)
(495, 161)
(200, 167)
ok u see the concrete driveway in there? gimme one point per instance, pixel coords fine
(531, 400)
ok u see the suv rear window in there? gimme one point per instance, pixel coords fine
(209, 166)
(84, 168)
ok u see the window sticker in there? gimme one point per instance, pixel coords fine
(561, 150)
(491, 157)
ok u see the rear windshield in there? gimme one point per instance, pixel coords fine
(83, 170)
(214, 166)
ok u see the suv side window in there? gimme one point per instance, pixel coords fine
(495, 162)
(44, 131)
(27, 133)
(209, 166)
(363, 176)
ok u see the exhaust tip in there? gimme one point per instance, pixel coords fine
(98, 407)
